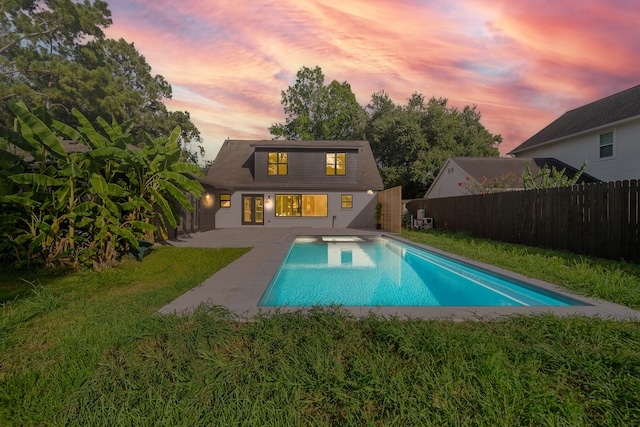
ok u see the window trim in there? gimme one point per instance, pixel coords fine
(300, 207)
(278, 163)
(224, 202)
(611, 144)
(342, 201)
(334, 164)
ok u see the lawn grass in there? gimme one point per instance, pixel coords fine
(613, 281)
(89, 349)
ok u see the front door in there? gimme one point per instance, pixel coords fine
(252, 209)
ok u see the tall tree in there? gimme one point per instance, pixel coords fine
(412, 142)
(318, 112)
(37, 40)
(117, 80)
(54, 53)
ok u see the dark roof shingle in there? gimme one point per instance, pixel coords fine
(494, 167)
(233, 167)
(614, 108)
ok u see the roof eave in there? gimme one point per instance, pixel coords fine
(573, 135)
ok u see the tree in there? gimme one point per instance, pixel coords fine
(318, 112)
(54, 53)
(117, 82)
(412, 142)
(396, 139)
(38, 38)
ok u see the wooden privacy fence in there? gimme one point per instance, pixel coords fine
(391, 201)
(601, 220)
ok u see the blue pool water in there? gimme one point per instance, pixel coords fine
(352, 271)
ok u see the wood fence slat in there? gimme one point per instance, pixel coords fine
(601, 220)
(633, 225)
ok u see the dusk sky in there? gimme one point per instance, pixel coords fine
(522, 63)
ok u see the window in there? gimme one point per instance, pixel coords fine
(301, 205)
(288, 204)
(314, 205)
(278, 163)
(346, 201)
(606, 145)
(225, 200)
(336, 163)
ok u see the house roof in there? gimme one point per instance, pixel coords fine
(615, 108)
(494, 167)
(233, 167)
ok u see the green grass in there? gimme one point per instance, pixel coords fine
(617, 282)
(89, 349)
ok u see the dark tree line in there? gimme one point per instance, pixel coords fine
(54, 53)
(410, 142)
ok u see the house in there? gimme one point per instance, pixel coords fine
(606, 133)
(457, 171)
(291, 184)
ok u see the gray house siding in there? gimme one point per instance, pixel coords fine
(241, 172)
(360, 215)
(305, 166)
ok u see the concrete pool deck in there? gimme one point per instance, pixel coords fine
(240, 285)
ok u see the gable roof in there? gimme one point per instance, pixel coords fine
(495, 167)
(233, 167)
(615, 108)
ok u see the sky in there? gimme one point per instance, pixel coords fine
(522, 63)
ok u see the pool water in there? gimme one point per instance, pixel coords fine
(354, 271)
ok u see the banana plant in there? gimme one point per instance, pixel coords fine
(91, 206)
(159, 179)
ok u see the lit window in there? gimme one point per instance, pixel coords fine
(606, 144)
(225, 200)
(347, 201)
(336, 163)
(288, 204)
(277, 163)
(314, 205)
(301, 205)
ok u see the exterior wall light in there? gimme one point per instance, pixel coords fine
(369, 191)
(268, 200)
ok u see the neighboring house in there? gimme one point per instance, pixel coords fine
(458, 170)
(606, 133)
(292, 184)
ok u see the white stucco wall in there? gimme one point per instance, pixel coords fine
(624, 164)
(232, 217)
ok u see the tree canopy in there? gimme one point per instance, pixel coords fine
(410, 142)
(54, 53)
(318, 112)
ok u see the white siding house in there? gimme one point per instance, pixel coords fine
(605, 133)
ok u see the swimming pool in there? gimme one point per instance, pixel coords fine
(358, 271)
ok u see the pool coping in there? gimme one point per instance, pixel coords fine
(240, 285)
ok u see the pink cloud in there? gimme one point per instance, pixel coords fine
(522, 63)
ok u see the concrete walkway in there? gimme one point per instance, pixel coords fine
(240, 285)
